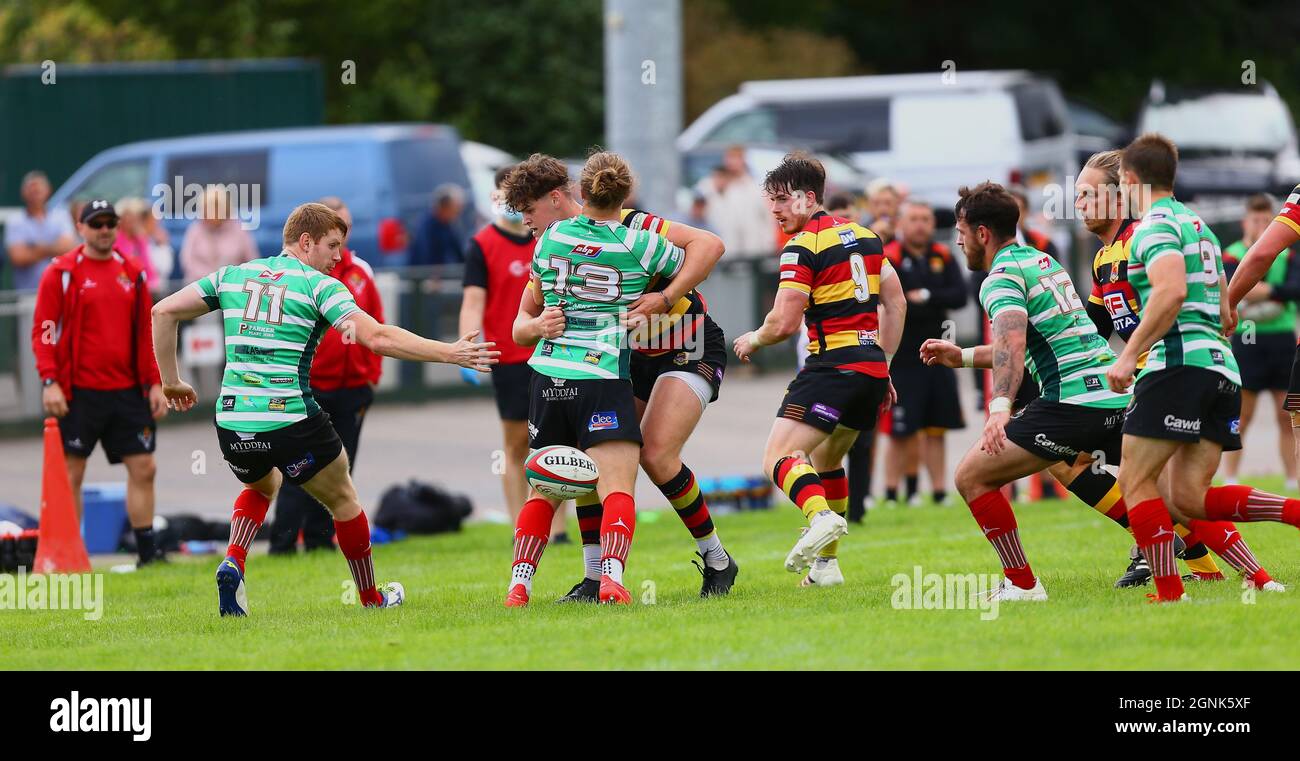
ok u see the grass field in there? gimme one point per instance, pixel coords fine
(166, 618)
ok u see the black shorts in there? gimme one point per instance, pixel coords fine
(1266, 363)
(927, 398)
(1186, 404)
(299, 451)
(580, 413)
(708, 360)
(825, 397)
(511, 384)
(1061, 432)
(119, 419)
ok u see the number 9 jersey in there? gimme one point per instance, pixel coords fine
(838, 264)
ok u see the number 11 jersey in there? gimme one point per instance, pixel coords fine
(274, 311)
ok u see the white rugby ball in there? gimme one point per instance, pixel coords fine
(561, 472)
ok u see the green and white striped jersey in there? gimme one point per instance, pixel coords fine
(275, 311)
(1171, 229)
(1063, 350)
(594, 270)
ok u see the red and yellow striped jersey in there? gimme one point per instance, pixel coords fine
(1290, 213)
(838, 264)
(1110, 285)
(682, 325)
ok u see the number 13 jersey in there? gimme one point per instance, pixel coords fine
(838, 264)
(594, 270)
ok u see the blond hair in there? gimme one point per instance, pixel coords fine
(1106, 162)
(606, 180)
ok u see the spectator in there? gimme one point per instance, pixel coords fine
(132, 237)
(161, 252)
(1265, 340)
(928, 405)
(497, 268)
(93, 341)
(737, 210)
(698, 215)
(883, 198)
(216, 240)
(38, 234)
(1031, 236)
(439, 241)
(343, 378)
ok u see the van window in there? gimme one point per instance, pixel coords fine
(117, 180)
(421, 164)
(241, 168)
(1040, 109)
(757, 126)
(856, 125)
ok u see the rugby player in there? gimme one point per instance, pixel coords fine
(833, 277)
(1187, 403)
(586, 271)
(1114, 308)
(1282, 233)
(674, 375)
(268, 424)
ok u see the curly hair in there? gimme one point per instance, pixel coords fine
(531, 179)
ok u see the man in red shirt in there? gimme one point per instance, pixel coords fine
(94, 351)
(343, 379)
(497, 264)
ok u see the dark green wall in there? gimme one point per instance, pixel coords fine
(56, 127)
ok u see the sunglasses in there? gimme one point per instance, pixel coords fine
(101, 224)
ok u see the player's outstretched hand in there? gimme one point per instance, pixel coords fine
(475, 355)
(994, 438)
(550, 323)
(1119, 376)
(935, 351)
(744, 346)
(180, 395)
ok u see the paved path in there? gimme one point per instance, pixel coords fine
(453, 443)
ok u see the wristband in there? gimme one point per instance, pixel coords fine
(999, 404)
(968, 357)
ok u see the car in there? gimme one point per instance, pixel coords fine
(933, 132)
(482, 162)
(841, 176)
(386, 173)
(1094, 131)
(1231, 142)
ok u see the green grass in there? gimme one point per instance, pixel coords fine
(166, 618)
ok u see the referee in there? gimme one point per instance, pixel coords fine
(93, 341)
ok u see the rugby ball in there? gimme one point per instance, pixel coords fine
(561, 472)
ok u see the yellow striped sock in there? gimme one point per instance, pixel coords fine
(841, 508)
(812, 503)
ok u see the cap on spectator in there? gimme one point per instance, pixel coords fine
(97, 208)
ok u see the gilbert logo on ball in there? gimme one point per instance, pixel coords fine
(561, 472)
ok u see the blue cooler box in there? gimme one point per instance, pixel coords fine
(103, 517)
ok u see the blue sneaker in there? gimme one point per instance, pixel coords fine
(230, 588)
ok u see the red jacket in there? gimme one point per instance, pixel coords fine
(349, 365)
(58, 305)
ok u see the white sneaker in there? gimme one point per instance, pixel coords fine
(1273, 586)
(916, 500)
(826, 527)
(824, 572)
(869, 504)
(1008, 592)
(394, 594)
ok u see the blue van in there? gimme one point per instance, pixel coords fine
(385, 173)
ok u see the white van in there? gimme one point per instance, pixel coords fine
(934, 132)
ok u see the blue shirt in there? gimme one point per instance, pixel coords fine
(436, 243)
(23, 228)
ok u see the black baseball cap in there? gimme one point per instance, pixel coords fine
(97, 208)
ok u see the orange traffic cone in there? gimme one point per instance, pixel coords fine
(60, 548)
